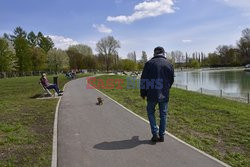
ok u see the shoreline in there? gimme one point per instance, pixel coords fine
(211, 69)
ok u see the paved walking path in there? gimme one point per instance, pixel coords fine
(110, 136)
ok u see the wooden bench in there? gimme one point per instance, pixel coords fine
(47, 93)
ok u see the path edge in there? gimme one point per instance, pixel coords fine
(55, 128)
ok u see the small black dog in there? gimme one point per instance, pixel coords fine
(99, 101)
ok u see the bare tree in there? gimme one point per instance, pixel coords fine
(244, 46)
(178, 56)
(107, 47)
(132, 56)
(144, 57)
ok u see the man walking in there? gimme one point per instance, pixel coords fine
(156, 81)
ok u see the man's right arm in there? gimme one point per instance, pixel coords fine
(143, 91)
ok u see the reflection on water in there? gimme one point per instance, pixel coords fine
(228, 81)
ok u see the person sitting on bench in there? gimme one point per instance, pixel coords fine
(47, 85)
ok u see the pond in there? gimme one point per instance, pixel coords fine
(236, 82)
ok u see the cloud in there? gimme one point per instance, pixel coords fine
(238, 3)
(62, 42)
(244, 5)
(102, 28)
(91, 43)
(187, 41)
(146, 9)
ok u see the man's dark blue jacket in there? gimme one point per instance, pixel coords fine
(157, 79)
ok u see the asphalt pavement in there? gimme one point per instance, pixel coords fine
(109, 136)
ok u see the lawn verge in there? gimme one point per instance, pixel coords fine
(26, 123)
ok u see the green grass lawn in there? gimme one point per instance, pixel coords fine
(220, 127)
(26, 123)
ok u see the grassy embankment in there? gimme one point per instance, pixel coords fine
(220, 127)
(26, 123)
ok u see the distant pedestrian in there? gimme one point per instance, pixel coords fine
(156, 81)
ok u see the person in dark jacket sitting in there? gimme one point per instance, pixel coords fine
(46, 84)
(156, 81)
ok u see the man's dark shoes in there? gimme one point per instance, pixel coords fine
(161, 139)
(154, 139)
(61, 91)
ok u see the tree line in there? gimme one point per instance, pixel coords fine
(24, 52)
(224, 56)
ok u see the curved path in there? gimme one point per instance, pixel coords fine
(109, 135)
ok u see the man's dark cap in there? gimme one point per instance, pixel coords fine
(159, 50)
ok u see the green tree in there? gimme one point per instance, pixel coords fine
(84, 55)
(107, 48)
(83, 49)
(38, 58)
(32, 39)
(128, 65)
(213, 59)
(45, 43)
(18, 33)
(101, 60)
(23, 54)
(194, 64)
(75, 59)
(233, 55)
(58, 60)
(22, 49)
(228, 56)
(89, 62)
(6, 56)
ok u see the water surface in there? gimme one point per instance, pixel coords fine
(234, 82)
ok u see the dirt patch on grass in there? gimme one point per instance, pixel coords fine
(23, 154)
